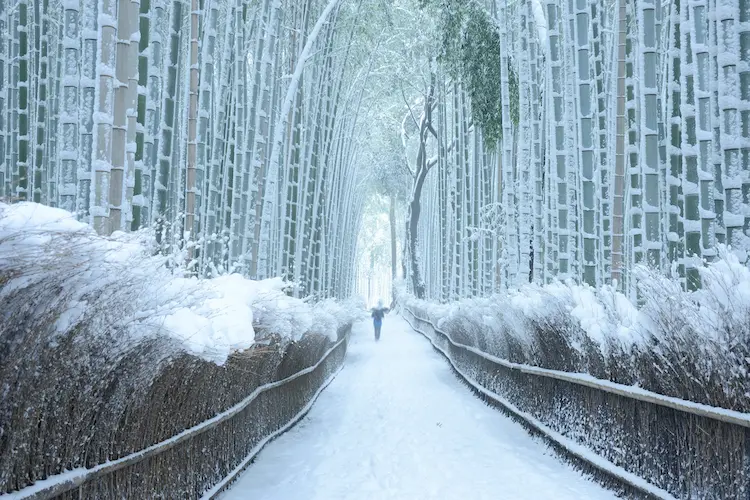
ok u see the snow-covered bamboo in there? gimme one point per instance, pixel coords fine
(586, 157)
(4, 104)
(120, 117)
(524, 166)
(264, 209)
(103, 118)
(734, 147)
(651, 182)
(675, 198)
(69, 119)
(509, 244)
(246, 126)
(700, 45)
(21, 184)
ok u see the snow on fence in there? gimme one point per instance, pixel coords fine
(648, 444)
(203, 459)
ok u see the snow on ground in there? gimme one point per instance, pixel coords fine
(139, 293)
(397, 424)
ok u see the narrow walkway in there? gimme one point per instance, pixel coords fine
(396, 423)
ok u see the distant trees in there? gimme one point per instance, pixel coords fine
(446, 171)
(392, 179)
(374, 279)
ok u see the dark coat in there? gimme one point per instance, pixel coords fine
(379, 312)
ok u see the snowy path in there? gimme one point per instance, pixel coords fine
(397, 424)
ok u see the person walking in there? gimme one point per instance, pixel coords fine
(377, 318)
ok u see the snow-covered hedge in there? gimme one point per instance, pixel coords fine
(690, 345)
(105, 350)
(119, 284)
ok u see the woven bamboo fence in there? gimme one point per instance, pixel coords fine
(639, 442)
(184, 431)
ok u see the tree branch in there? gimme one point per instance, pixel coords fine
(408, 106)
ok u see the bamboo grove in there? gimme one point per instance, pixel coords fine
(225, 125)
(550, 139)
(625, 141)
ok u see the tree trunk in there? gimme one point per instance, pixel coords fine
(415, 207)
(392, 219)
(411, 228)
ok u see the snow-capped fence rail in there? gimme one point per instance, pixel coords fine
(639, 441)
(203, 459)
